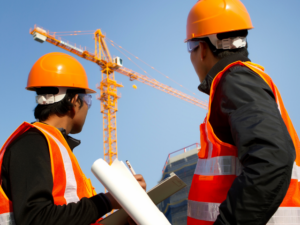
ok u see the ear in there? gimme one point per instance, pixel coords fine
(203, 50)
(74, 109)
(74, 100)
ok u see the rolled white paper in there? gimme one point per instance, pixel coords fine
(129, 194)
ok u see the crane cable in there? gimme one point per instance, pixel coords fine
(79, 31)
(131, 60)
(115, 44)
(67, 33)
(59, 35)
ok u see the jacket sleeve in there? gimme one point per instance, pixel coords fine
(27, 164)
(265, 149)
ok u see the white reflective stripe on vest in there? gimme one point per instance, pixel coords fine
(286, 215)
(208, 211)
(296, 172)
(7, 219)
(203, 210)
(71, 184)
(221, 165)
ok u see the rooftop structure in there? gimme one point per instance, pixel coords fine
(182, 163)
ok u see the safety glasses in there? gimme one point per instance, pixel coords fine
(193, 44)
(86, 98)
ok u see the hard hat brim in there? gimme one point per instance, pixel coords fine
(88, 90)
(206, 35)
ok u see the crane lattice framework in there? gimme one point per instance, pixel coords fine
(108, 85)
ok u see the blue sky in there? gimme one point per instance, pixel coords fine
(150, 123)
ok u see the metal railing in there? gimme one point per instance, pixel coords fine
(182, 150)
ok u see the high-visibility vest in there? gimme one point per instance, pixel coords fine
(218, 165)
(69, 182)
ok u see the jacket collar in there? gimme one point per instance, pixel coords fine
(72, 142)
(218, 67)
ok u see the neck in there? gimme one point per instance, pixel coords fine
(207, 66)
(60, 122)
(211, 62)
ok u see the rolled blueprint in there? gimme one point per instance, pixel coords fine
(126, 190)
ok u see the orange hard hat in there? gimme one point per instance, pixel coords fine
(58, 70)
(217, 16)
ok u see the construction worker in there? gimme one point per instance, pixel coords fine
(41, 180)
(248, 170)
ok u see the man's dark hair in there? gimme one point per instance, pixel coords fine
(222, 53)
(61, 108)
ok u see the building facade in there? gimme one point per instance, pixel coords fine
(182, 163)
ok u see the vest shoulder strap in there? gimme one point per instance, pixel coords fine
(20, 130)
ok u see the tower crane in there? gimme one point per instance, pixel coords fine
(108, 85)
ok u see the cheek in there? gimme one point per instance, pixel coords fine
(192, 57)
(80, 119)
(84, 111)
(194, 60)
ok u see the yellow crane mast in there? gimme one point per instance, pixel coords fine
(108, 97)
(108, 85)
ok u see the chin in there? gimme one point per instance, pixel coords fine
(202, 77)
(76, 130)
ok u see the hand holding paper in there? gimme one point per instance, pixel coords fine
(128, 192)
(141, 181)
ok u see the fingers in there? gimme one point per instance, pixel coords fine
(139, 177)
(141, 181)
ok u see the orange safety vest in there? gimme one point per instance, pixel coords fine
(69, 182)
(218, 165)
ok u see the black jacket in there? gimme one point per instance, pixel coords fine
(244, 113)
(27, 181)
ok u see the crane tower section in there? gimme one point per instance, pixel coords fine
(108, 97)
